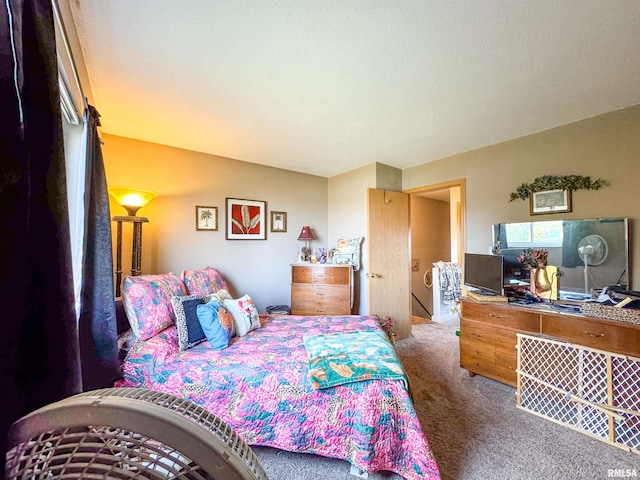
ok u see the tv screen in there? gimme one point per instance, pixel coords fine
(484, 272)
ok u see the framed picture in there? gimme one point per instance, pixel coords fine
(550, 201)
(246, 219)
(206, 218)
(278, 221)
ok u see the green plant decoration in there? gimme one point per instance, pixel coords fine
(555, 182)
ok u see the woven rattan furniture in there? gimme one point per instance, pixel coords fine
(127, 433)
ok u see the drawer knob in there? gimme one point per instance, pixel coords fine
(320, 294)
(595, 335)
(372, 275)
(479, 335)
(494, 315)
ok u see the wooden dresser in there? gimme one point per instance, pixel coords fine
(320, 289)
(488, 335)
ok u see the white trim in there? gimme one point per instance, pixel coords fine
(72, 99)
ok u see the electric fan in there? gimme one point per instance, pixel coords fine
(593, 250)
(127, 433)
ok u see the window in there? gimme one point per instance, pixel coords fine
(534, 234)
(71, 99)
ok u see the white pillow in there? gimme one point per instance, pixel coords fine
(245, 314)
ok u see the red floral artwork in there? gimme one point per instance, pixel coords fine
(245, 219)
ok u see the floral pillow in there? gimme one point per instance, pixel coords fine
(217, 324)
(203, 282)
(245, 314)
(147, 302)
(190, 332)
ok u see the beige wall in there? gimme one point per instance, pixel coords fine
(606, 146)
(347, 211)
(184, 179)
(430, 243)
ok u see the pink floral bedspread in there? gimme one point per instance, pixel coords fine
(260, 386)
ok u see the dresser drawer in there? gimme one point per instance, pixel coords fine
(321, 275)
(593, 333)
(476, 358)
(503, 316)
(507, 360)
(506, 340)
(320, 299)
(476, 351)
(506, 374)
(476, 332)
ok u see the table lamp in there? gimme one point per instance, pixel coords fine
(306, 234)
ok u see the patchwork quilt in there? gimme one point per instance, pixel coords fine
(260, 386)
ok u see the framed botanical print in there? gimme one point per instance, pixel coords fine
(206, 218)
(246, 219)
(550, 201)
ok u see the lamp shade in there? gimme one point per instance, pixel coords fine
(132, 199)
(306, 234)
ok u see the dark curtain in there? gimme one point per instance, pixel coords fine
(98, 330)
(39, 354)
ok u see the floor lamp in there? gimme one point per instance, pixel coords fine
(132, 199)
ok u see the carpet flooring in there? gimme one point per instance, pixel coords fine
(473, 427)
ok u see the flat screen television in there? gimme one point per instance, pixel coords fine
(484, 272)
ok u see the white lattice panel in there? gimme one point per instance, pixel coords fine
(589, 390)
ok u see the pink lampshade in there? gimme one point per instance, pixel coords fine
(306, 234)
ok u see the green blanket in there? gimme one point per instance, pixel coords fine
(348, 357)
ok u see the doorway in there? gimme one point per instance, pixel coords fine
(437, 234)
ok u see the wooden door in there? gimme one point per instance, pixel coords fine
(389, 272)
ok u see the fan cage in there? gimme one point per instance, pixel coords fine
(127, 433)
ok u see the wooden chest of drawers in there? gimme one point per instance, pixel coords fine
(488, 335)
(488, 338)
(318, 289)
(608, 335)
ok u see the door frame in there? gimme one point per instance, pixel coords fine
(462, 184)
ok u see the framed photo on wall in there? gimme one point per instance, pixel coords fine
(246, 219)
(206, 218)
(550, 201)
(278, 221)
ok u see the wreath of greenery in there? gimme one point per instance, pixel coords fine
(554, 182)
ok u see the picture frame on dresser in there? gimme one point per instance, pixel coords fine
(246, 219)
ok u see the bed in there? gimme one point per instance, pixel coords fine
(260, 385)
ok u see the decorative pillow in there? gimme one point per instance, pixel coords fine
(190, 332)
(203, 282)
(216, 323)
(245, 314)
(221, 296)
(147, 302)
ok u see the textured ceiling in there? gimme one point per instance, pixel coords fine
(326, 86)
